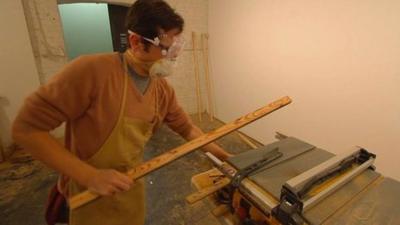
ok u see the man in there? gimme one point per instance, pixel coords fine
(111, 104)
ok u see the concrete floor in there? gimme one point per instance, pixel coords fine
(24, 185)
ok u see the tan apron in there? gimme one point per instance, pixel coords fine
(122, 150)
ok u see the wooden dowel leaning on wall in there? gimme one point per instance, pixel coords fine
(197, 78)
(204, 46)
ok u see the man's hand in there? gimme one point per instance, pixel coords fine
(108, 182)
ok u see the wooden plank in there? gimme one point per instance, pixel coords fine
(207, 179)
(197, 76)
(197, 196)
(159, 161)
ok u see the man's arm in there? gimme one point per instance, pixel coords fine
(47, 149)
(64, 97)
(213, 148)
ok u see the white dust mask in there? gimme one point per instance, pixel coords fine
(162, 68)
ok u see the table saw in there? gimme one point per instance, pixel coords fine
(294, 182)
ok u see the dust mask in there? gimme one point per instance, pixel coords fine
(166, 65)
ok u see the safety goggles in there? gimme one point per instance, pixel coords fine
(172, 51)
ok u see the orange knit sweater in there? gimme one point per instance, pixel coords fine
(87, 94)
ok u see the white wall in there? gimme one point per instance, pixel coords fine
(18, 73)
(338, 60)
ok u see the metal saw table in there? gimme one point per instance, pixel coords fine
(367, 198)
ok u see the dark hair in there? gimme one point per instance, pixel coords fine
(147, 17)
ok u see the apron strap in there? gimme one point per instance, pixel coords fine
(123, 103)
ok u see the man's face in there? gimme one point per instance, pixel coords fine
(153, 52)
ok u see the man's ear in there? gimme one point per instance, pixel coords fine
(135, 42)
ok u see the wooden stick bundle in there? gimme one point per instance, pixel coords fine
(197, 76)
(204, 45)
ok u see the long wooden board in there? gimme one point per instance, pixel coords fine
(197, 196)
(159, 161)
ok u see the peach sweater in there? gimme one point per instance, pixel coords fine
(87, 94)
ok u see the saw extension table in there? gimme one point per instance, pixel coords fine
(292, 182)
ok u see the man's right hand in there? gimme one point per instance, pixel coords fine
(108, 182)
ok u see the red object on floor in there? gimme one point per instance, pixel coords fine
(56, 207)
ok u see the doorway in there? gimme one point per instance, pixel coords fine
(91, 28)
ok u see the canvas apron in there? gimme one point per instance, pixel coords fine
(122, 150)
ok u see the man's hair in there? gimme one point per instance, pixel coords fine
(147, 17)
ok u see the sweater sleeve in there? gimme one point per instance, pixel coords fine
(176, 118)
(65, 97)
